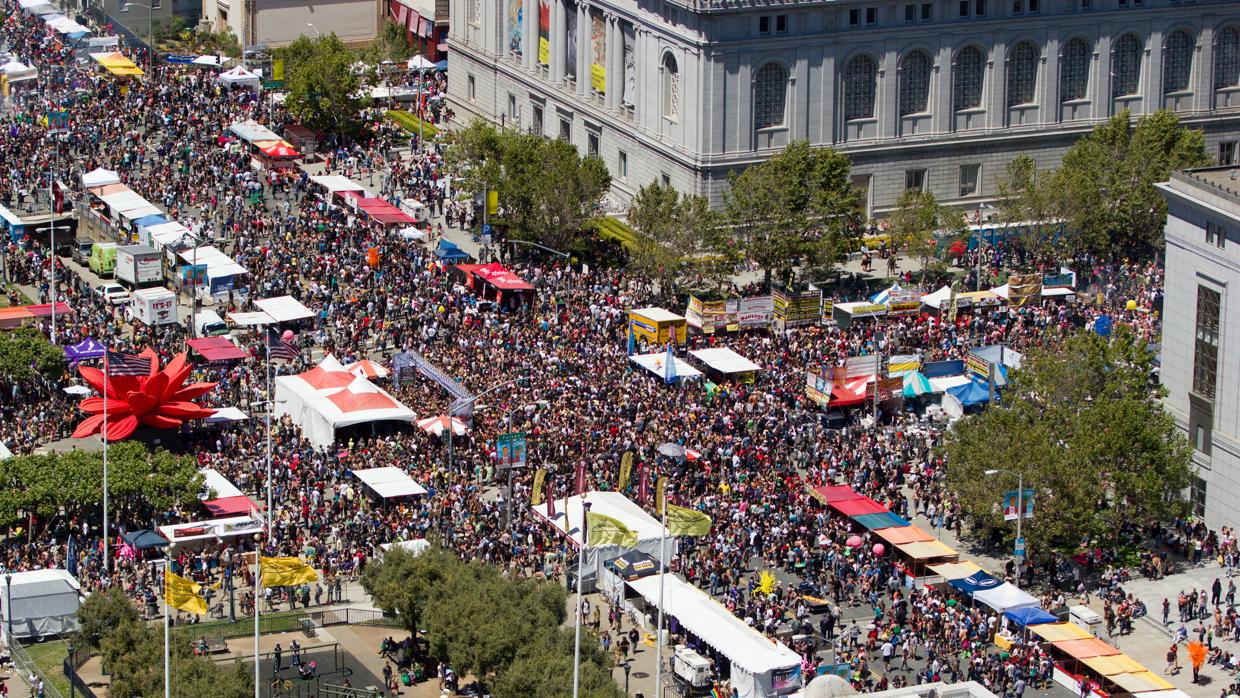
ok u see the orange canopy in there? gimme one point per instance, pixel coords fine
(904, 534)
(1084, 649)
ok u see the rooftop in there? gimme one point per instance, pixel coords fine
(1222, 181)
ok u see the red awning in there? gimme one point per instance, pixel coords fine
(857, 507)
(281, 150)
(835, 493)
(230, 506)
(383, 212)
(217, 349)
(499, 277)
(843, 397)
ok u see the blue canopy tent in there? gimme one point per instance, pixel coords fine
(978, 581)
(449, 252)
(148, 221)
(875, 522)
(1029, 615)
(970, 394)
(441, 65)
(145, 538)
(915, 384)
(86, 349)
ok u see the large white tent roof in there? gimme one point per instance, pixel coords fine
(1004, 597)
(569, 512)
(716, 626)
(98, 177)
(657, 314)
(725, 360)
(284, 308)
(320, 411)
(216, 482)
(389, 482)
(654, 364)
(335, 183)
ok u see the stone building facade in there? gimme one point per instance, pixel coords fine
(937, 94)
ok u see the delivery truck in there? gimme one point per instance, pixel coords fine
(103, 258)
(138, 266)
(153, 306)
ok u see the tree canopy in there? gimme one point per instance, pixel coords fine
(547, 191)
(25, 353)
(323, 86)
(140, 482)
(1083, 423)
(678, 235)
(509, 632)
(917, 220)
(797, 208)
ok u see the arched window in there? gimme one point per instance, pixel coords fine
(1126, 66)
(967, 78)
(1074, 70)
(1022, 74)
(671, 88)
(1227, 58)
(1178, 61)
(859, 81)
(914, 83)
(770, 95)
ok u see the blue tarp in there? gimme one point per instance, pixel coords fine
(153, 219)
(1029, 615)
(875, 522)
(972, 393)
(448, 250)
(442, 65)
(938, 369)
(978, 581)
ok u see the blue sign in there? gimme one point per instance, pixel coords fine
(511, 449)
(486, 228)
(1103, 325)
(1020, 547)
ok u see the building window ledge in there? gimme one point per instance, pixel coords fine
(970, 111)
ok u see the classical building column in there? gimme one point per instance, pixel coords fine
(615, 69)
(529, 33)
(584, 54)
(559, 29)
(1203, 70)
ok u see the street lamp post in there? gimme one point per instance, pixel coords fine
(150, 35)
(71, 668)
(1020, 507)
(193, 286)
(8, 607)
(627, 668)
(317, 33)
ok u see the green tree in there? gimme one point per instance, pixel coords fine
(1085, 427)
(405, 584)
(392, 44)
(1106, 182)
(1031, 204)
(916, 223)
(544, 667)
(25, 352)
(799, 208)
(100, 613)
(140, 482)
(323, 87)
(675, 234)
(133, 654)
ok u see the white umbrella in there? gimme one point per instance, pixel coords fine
(78, 390)
(420, 63)
(436, 425)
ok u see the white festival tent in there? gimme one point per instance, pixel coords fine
(1004, 597)
(99, 177)
(16, 71)
(273, 311)
(1005, 290)
(725, 360)
(241, 77)
(760, 666)
(216, 483)
(389, 482)
(327, 398)
(211, 60)
(335, 183)
(568, 521)
(42, 603)
(654, 364)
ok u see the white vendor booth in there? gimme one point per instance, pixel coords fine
(568, 522)
(760, 667)
(389, 482)
(212, 530)
(327, 398)
(654, 364)
(43, 603)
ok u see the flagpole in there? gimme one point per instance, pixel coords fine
(658, 628)
(258, 593)
(167, 625)
(581, 556)
(270, 409)
(107, 556)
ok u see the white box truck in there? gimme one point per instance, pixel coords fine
(138, 265)
(691, 672)
(154, 306)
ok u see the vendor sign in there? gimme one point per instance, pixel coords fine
(755, 311)
(818, 385)
(797, 308)
(977, 365)
(1012, 505)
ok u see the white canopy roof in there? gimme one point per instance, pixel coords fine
(716, 626)
(1004, 597)
(284, 308)
(420, 62)
(227, 414)
(1005, 290)
(414, 547)
(937, 298)
(335, 183)
(568, 515)
(211, 60)
(213, 528)
(654, 364)
(657, 314)
(163, 234)
(248, 319)
(221, 485)
(44, 602)
(250, 130)
(725, 360)
(99, 177)
(389, 482)
(943, 383)
(238, 74)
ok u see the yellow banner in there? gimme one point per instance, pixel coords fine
(277, 69)
(687, 522)
(286, 572)
(492, 203)
(536, 496)
(598, 77)
(626, 470)
(544, 51)
(182, 594)
(604, 530)
(660, 493)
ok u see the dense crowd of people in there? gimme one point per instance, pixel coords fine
(762, 444)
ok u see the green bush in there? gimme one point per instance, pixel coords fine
(612, 229)
(410, 122)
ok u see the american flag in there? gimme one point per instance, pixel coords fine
(128, 364)
(277, 348)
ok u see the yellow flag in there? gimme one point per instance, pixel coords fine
(626, 470)
(660, 493)
(182, 594)
(536, 496)
(286, 572)
(687, 522)
(605, 530)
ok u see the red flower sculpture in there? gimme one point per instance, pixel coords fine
(160, 400)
